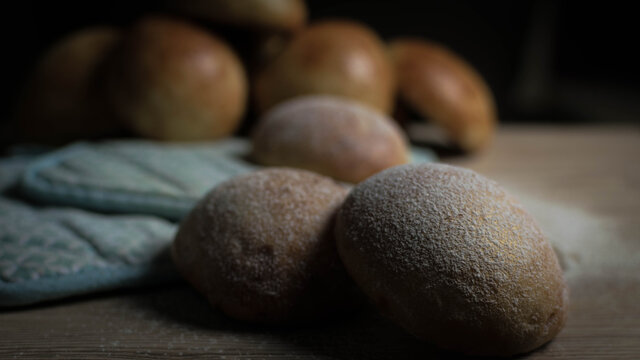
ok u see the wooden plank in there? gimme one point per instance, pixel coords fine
(591, 168)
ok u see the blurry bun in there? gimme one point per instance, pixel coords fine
(170, 80)
(329, 135)
(447, 90)
(452, 258)
(261, 247)
(339, 58)
(274, 15)
(62, 100)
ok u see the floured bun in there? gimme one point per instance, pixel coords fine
(452, 258)
(448, 91)
(261, 247)
(331, 136)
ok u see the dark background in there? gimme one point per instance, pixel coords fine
(546, 61)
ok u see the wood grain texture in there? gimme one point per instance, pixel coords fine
(591, 168)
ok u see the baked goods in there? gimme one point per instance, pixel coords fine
(273, 15)
(340, 58)
(452, 258)
(62, 101)
(261, 247)
(447, 90)
(170, 80)
(329, 135)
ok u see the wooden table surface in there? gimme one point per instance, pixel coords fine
(595, 169)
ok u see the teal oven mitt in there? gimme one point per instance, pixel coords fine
(142, 177)
(50, 252)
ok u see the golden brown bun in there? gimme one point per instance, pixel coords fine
(173, 81)
(331, 136)
(261, 247)
(332, 57)
(447, 90)
(452, 258)
(62, 100)
(274, 15)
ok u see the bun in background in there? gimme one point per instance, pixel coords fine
(63, 99)
(170, 80)
(446, 90)
(341, 58)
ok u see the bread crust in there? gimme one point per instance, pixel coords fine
(452, 258)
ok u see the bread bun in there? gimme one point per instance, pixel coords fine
(452, 258)
(331, 136)
(173, 81)
(62, 101)
(447, 90)
(261, 247)
(340, 58)
(273, 15)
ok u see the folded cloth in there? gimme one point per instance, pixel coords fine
(51, 253)
(141, 177)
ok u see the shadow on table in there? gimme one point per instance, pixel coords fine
(365, 335)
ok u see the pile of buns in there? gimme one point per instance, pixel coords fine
(441, 251)
(204, 69)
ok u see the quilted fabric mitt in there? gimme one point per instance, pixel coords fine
(50, 253)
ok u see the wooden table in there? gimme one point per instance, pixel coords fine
(592, 168)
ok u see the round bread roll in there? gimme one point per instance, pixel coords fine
(332, 57)
(172, 81)
(62, 101)
(452, 258)
(331, 136)
(273, 15)
(447, 90)
(261, 247)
